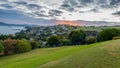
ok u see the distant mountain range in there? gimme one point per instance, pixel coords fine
(87, 23)
(63, 22)
(5, 24)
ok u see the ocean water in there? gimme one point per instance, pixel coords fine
(10, 29)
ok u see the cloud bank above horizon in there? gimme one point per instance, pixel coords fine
(88, 10)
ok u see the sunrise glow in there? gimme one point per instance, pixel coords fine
(67, 23)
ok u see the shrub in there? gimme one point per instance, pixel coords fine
(77, 37)
(66, 42)
(90, 40)
(108, 34)
(1, 48)
(9, 46)
(34, 44)
(22, 46)
(53, 41)
(116, 37)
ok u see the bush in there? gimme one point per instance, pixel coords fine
(116, 37)
(22, 46)
(53, 41)
(34, 44)
(9, 46)
(90, 40)
(77, 37)
(66, 42)
(108, 34)
(1, 48)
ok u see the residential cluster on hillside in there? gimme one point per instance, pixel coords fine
(44, 32)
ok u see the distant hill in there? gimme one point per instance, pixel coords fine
(5, 24)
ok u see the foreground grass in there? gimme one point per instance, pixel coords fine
(99, 55)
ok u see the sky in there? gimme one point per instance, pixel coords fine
(44, 12)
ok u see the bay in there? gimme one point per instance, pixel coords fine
(10, 29)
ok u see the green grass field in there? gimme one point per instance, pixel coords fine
(99, 55)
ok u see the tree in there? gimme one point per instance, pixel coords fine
(77, 37)
(20, 36)
(1, 48)
(66, 42)
(108, 34)
(9, 46)
(3, 37)
(53, 41)
(71, 33)
(34, 44)
(22, 46)
(90, 40)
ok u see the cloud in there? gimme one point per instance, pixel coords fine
(7, 6)
(90, 10)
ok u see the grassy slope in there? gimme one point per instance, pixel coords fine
(99, 55)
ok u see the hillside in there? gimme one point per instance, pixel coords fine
(99, 55)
